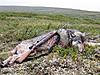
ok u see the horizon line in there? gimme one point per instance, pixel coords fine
(49, 7)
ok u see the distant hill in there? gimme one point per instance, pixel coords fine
(49, 10)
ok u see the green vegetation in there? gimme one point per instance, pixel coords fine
(15, 27)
